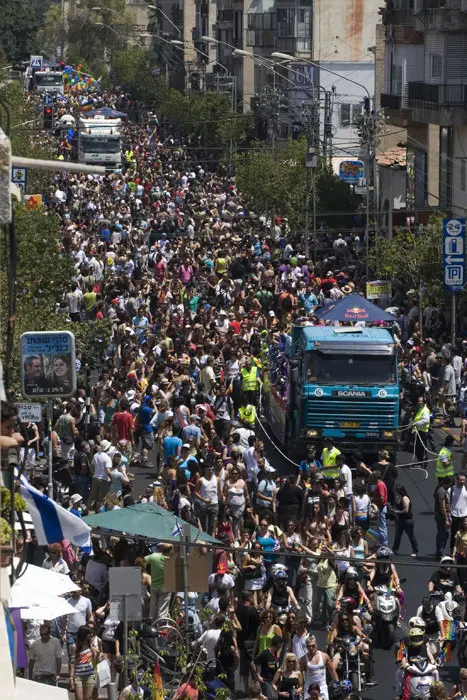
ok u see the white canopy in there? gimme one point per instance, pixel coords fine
(35, 578)
(37, 605)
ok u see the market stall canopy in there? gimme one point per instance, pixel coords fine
(147, 520)
(353, 308)
(36, 605)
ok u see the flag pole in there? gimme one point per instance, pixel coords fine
(185, 540)
(50, 486)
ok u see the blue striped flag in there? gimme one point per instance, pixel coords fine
(178, 529)
(52, 522)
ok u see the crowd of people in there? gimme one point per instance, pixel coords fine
(194, 285)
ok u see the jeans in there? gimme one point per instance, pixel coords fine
(46, 679)
(207, 514)
(307, 597)
(442, 535)
(404, 525)
(325, 597)
(70, 640)
(382, 526)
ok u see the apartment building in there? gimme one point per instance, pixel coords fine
(425, 92)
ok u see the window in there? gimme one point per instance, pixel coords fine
(396, 80)
(463, 164)
(285, 22)
(350, 114)
(436, 66)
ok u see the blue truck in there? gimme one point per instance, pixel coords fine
(339, 382)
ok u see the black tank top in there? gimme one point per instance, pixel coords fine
(280, 597)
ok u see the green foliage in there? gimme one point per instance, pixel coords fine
(5, 532)
(278, 183)
(5, 503)
(415, 258)
(19, 22)
(132, 70)
(85, 40)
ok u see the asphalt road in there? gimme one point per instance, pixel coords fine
(420, 490)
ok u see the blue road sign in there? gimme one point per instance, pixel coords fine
(35, 62)
(454, 268)
(19, 177)
(47, 99)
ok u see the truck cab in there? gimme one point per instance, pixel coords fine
(99, 141)
(341, 382)
(49, 82)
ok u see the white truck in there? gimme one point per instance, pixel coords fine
(99, 141)
(48, 81)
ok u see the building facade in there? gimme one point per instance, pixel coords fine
(425, 92)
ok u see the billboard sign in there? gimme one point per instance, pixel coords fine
(351, 171)
(48, 364)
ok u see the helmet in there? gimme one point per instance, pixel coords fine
(446, 561)
(280, 576)
(348, 602)
(417, 623)
(416, 636)
(351, 574)
(384, 554)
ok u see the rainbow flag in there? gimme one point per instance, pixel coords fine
(449, 629)
(445, 654)
(402, 651)
(157, 687)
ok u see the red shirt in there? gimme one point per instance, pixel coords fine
(124, 424)
(235, 326)
(380, 494)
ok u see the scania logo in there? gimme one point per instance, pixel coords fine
(382, 393)
(319, 392)
(350, 393)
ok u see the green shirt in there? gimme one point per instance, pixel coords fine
(156, 562)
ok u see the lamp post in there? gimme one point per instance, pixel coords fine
(158, 9)
(369, 155)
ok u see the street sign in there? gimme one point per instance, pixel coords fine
(125, 592)
(48, 364)
(47, 99)
(19, 177)
(29, 412)
(35, 62)
(454, 267)
(378, 289)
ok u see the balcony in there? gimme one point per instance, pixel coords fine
(291, 44)
(262, 37)
(426, 96)
(444, 104)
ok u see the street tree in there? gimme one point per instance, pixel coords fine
(414, 257)
(19, 23)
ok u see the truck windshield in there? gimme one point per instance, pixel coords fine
(100, 144)
(329, 368)
(45, 79)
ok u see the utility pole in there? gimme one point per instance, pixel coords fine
(327, 130)
(368, 131)
(311, 119)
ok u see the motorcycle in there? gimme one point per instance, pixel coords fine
(386, 615)
(352, 664)
(419, 675)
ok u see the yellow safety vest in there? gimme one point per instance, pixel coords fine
(330, 470)
(443, 470)
(247, 414)
(249, 378)
(419, 415)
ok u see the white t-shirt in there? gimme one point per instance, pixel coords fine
(346, 475)
(226, 579)
(82, 607)
(101, 462)
(458, 501)
(208, 641)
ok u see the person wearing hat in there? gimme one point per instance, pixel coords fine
(101, 468)
(76, 501)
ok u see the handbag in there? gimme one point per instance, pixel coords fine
(103, 673)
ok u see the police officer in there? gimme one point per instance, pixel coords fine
(444, 463)
(420, 428)
(331, 470)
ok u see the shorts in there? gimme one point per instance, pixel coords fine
(147, 440)
(108, 647)
(85, 681)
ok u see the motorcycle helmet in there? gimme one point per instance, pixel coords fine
(384, 554)
(348, 603)
(417, 623)
(351, 574)
(280, 577)
(446, 562)
(416, 635)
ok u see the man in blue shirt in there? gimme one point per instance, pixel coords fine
(192, 432)
(171, 446)
(308, 300)
(145, 429)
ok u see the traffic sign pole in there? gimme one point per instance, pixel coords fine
(454, 263)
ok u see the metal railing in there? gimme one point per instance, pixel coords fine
(425, 95)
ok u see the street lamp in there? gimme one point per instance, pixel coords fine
(98, 8)
(158, 9)
(292, 59)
